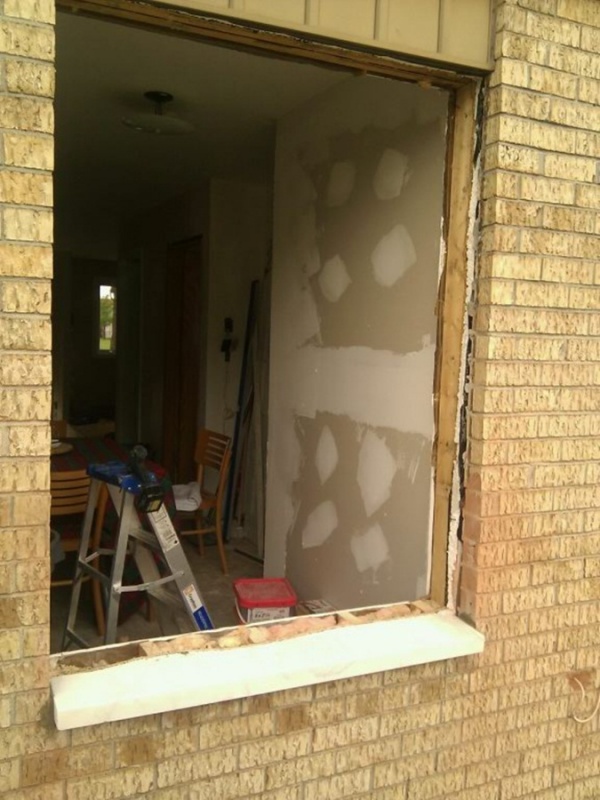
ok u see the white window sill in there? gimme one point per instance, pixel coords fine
(182, 680)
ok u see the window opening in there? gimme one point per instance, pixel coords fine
(388, 256)
(107, 319)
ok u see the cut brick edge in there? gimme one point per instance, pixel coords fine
(177, 680)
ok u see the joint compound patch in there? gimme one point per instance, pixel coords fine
(326, 456)
(370, 549)
(391, 174)
(334, 279)
(376, 470)
(320, 524)
(393, 256)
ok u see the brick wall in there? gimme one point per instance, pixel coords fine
(492, 727)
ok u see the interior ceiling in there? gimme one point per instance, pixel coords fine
(233, 99)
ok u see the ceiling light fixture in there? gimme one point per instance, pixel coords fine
(157, 122)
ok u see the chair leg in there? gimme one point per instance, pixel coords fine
(98, 607)
(221, 546)
(199, 526)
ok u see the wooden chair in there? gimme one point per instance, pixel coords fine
(58, 428)
(212, 457)
(69, 492)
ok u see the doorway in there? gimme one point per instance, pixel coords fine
(183, 310)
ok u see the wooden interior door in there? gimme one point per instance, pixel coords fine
(182, 357)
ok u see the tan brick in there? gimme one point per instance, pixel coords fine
(25, 334)
(511, 266)
(118, 783)
(32, 706)
(585, 11)
(28, 77)
(521, 785)
(44, 767)
(25, 297)
(20, 39)
(218, 732)
(24, 370)
(509, 72)
(547, 190)
(542, 295)
(504, 627)
(297, 771)
(37, 10)
(27, 261)
(24, 404)
(501, 155)
(26, 224)
(487, 792)
(50, 791)
(557, 572)
(34, 151)
(512, 212)
(566, 167)
(31, 188)
(358, 730)
(467, 754)
(508, 100)
(9, 775)
(501, 184)
(588, 89)
(25, 114)
(270, 750)
(26, 441)
(523, 48)
(368, 754)
(10, 645)
(5, 712)
(550, 81)
(349, 784)
(21, 676)
(24, 609)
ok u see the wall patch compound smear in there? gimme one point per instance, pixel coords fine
(320, 524)
(391, 174)
(341, 183)
(334, 279)
(370, 549)
(376, 470)
(326, 456)
(393, 256)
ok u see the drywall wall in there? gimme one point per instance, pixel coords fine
(239, 251)
(357, 220)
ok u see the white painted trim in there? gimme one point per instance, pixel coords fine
(182, 680)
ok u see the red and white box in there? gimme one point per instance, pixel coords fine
(262, 599)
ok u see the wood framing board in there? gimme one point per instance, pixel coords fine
(451, 310)
(265, 41)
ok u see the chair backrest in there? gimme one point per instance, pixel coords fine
(69, 492)
(212, 452)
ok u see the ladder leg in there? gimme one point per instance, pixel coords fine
(127, 520)
(83, 551)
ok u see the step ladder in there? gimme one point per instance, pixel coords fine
(176, 591)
